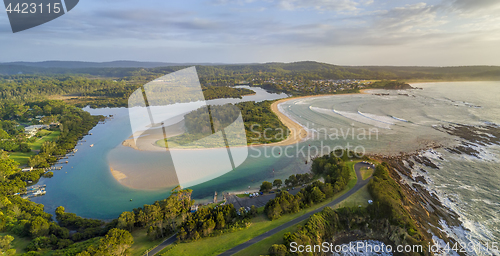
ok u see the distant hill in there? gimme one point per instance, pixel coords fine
(305, 69)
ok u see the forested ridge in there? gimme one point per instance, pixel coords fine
(111, 87)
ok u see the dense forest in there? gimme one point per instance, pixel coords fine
(82, 90)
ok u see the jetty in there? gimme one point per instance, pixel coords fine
(36, 190)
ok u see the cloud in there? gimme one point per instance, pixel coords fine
(325, 5)
(475, 5)
(234, 27)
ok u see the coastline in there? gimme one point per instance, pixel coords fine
(297, 131)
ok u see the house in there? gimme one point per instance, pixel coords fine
(31, 130)
(54, 125)
(194, 208)
(27, 169)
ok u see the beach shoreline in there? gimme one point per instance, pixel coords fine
(297, 132)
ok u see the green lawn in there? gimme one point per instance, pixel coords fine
(366, 173)
(359, 198)
(142, 242)
(47, 136)
(262, 247)
(354, 178)
(260, 225)
(22, 158)
(19, 243)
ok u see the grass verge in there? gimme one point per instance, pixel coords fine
(142, 242)
(262, 247)
(366, 173)
(19, 243)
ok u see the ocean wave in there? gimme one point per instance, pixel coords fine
(354, 116)
(400, 119)
(382, 119)
(470, 231)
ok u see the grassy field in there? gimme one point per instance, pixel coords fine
(47, 136)
(22, 158)
(19, 243)
(354, 178)
(260, 225)
(366, 173)
(359, 198)
(142, 242)
(262, 247)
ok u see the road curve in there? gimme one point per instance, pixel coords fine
(361, 183)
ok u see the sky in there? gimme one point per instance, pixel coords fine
(341, 32)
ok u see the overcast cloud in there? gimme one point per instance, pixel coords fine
(344, 32)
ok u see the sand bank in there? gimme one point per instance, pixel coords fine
(118, 175)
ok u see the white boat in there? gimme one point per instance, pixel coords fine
(91, 145)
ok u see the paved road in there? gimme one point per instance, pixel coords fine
(361, 183)
(162, 246)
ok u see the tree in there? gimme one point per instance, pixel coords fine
(39, 227)
(266, 186)
(274, 211)
(220, 221)
(116, 243)
(291, 181)
(278, 250)
(316, 195)
(7, 165)
(126, 221)
(277, 183)
(5, 245)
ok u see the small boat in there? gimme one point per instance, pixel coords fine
(91, 145)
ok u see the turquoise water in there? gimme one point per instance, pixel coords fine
(86, 187)
(400, 122)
